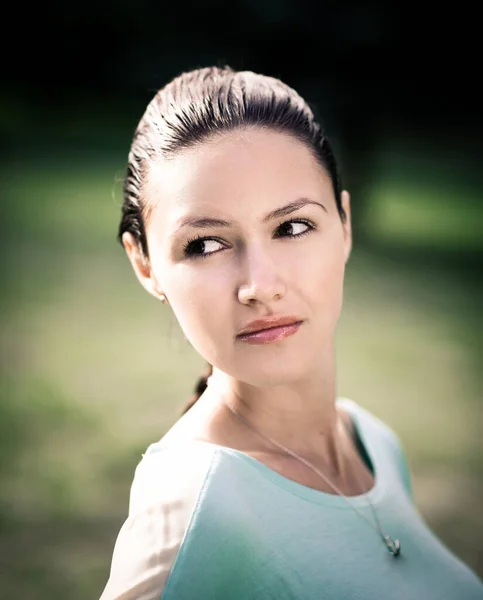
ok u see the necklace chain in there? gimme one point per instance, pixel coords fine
(393, 546)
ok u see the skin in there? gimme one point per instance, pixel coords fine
(287, 389)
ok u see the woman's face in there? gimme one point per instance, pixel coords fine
(218, 277)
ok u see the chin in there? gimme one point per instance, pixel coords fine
(271, 373)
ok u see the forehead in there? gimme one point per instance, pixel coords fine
(236, 174)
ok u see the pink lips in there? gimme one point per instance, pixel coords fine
(273, 334)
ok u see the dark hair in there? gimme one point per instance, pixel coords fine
(196, 106)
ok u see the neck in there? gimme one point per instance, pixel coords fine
(300, 415)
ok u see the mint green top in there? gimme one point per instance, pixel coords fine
(254, 534)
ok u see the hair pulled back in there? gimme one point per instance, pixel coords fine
(199, 104)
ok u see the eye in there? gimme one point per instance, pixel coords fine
(288, 226)
(202, 247)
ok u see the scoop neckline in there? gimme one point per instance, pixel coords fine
(372, 496)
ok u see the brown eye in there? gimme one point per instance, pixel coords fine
(295, 228)
(197, 247)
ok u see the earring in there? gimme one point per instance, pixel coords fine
(162, 297)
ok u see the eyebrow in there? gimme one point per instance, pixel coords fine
(204, 222)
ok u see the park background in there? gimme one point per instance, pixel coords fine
(94, 369)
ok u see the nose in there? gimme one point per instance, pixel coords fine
(263, 282)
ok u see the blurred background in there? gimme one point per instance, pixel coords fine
(94, 369)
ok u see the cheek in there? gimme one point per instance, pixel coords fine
(194, 293)
(324, 279)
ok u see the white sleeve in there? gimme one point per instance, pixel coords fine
(163, 496)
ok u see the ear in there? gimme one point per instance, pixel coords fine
(140, 264)
(346, 205)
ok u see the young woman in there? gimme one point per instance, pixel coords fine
(269, 486)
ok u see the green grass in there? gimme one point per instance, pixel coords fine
(426, 198)
(95, 369)
(406, 214)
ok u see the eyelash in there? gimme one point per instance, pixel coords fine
(196, 255)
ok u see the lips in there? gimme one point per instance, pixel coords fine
(268, 323)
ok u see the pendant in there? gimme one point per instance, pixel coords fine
(393, 546)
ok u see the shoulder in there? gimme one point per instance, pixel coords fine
(369, 422)
(382, 437)
(168, 473)
(167, 485)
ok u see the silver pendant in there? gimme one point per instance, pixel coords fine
(393, 546)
